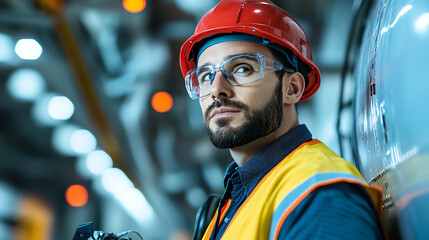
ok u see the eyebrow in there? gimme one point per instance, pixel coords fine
(227, 57)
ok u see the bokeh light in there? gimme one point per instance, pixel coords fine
(162, 102)
(60, 108)
(114, 180)
(51, 109)
(134, 6)
(26, 84)
(6, 48)
(76, 195)
(136, 204)
(98, 161)
(83, 141)
(28, 49)
(72, 140)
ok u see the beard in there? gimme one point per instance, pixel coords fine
(257, 123)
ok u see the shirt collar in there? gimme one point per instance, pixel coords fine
(260, 164)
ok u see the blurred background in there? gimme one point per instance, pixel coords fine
(96, 124)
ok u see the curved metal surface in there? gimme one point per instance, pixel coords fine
(391, 112)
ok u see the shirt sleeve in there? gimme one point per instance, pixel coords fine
(337, 211)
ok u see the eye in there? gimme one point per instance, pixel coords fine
(243, 69)
(208, 77)
(204, 75)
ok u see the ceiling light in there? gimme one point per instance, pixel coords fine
(51, 109)
(83, 141)
(162, 102)
(76, 195)
(98, 161)
(134, 6)
(60, 108)
(28, 49)
(71, 140)
(114, 180)
(136, 204)
(6, 48)
(25, 84)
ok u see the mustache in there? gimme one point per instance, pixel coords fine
(224, 103)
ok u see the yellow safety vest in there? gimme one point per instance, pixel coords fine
(308, 167)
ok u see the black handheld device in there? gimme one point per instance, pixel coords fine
(83, 231)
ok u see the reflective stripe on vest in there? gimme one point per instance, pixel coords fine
(301, 192)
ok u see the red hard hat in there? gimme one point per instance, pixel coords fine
(256, 17)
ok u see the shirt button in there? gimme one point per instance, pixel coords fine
(226, 220)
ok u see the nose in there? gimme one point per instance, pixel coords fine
(220, 87)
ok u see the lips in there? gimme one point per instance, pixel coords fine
(223, 112)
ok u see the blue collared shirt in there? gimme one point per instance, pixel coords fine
(332, 219)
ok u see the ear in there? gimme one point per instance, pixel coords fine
(293, 87)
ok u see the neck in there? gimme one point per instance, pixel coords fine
(244, 153)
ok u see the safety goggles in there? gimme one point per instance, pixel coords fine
(237, 70)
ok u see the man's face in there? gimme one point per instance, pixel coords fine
(237, 115)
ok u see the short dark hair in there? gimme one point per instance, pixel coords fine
(303, 68)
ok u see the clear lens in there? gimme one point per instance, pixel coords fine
(238, 70)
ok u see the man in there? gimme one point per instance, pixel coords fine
(249, 63)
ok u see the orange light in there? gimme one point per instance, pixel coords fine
(162, 102)
(134, 6)
(76, 196)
